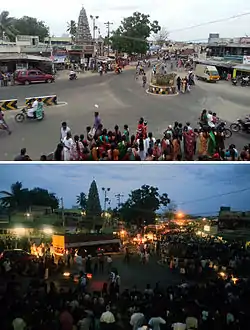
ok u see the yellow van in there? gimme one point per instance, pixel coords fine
(208, 73)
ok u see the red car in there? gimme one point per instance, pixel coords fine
(27, 77)
(17, 255)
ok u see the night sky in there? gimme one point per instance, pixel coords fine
(196, 189)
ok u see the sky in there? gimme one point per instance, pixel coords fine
(197, 189)
(172, 15)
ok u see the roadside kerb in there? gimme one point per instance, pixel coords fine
(6, 105)
(48, 100)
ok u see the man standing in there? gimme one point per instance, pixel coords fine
(179, 84)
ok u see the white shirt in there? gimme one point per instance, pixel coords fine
(72, 72)
(210, 120)
(136, 320)
(155, 322)
(147, 142)
(107, 317)
(7, 266)
(64, 132)
(179, 326)
(68, 143)
(35, 105)
(18, 324)
(109, 260)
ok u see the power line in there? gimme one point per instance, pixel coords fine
(210, 22)
(215, 196)
(192, 26)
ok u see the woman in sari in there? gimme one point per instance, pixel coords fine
(77, 149)
(211, 147)
(122, 147)
(202, 143)
(113, 153)
(189, 144)
(203, 118)
(176, 148)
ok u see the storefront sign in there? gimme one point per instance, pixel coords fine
(88, 49)
(75, 47)
(246, 60)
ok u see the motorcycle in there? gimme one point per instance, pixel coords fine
(245, 81)
(234, 82)
(241, 125)
(20, 117)
(221, 127)
(72, 77)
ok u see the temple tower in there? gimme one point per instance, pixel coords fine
(83, 35)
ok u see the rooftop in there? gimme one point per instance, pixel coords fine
(22, 56)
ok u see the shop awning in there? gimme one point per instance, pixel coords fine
(242, 67)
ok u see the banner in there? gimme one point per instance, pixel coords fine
(246, 60)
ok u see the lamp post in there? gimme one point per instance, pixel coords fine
(94, 18)
(106, 199)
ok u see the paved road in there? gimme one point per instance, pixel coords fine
(121, 101)
(131, 274)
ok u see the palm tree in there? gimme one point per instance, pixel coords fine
(7, 26)
(81, 200)
(17, 198)
(72, 29)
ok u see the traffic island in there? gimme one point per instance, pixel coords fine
(163, 84)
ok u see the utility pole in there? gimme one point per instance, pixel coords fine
(63, 215)
(119, 198)
(108, 24)
(106, 199)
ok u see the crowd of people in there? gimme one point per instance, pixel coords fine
(218, 303)
(180, 142)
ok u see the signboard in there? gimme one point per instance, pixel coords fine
(88, 49)
(246, 60)
(76, 47)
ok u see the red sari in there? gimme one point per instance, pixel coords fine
(189, 143)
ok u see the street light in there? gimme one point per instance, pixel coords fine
(106, 199)
(94, 18)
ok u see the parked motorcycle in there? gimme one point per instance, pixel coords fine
(245, 81)
(234, 82)
(72, 77)
(21, 116)
(241, 125)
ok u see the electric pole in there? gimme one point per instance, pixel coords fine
(108, 24)
(119, 198)
(63, 216)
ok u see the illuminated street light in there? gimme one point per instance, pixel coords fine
(180, 215)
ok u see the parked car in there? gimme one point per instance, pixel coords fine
(17, 255)
(27, 77)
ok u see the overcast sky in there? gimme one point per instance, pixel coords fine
(197, 189)
(170, 14)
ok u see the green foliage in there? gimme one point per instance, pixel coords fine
(20, 199)
(164, 79)
(93, 206)
(26, 25)
(72, 29)
(81, 200)
(131, 36)
(142, 204)
(7, 27)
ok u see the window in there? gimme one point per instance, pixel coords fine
(32, 73)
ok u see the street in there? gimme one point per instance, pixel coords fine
(131, 274)
(121, 100)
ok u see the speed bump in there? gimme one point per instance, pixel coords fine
(8, 104)
(48, 100)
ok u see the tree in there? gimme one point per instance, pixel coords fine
(21, 199)
(72, 29)
(161, 37)
(31, 26)
(81, 200)
(171, 210)
(7, 27)
(93, 206)
(131, 36)
(142, 204)
(17, 198)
